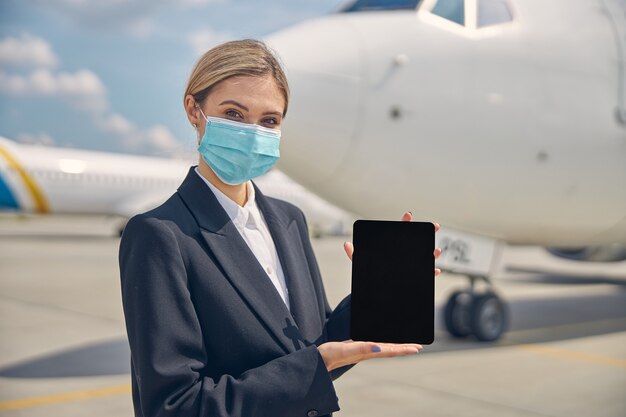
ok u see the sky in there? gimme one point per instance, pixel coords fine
(110, 75)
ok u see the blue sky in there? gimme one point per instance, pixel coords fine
(109, 75)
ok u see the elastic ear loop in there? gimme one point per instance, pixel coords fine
(195, 126)
(199, 108)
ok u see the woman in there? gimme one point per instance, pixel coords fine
(225, 309)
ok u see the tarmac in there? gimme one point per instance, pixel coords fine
(63, 348)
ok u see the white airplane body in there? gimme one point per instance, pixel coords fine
(43, 179)
(513, 131)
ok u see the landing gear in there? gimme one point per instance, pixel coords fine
(458, 312)
(483, 315)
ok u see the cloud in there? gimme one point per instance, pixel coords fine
(157, 139)
(41, 138)
(27, 51)
(14, 84)
(202, 40)
(135, 17)
(160, 138)
(85, 91)
(196, 3)
(83, 88)
(116, 123)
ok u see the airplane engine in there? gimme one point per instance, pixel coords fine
(607, 253)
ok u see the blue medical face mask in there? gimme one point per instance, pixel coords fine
(238, 152)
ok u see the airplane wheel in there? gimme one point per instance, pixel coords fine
(488, 317)
(457, 314)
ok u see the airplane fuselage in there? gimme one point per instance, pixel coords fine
(43, 179)
(511, 131)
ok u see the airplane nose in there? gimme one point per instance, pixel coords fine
(322, 65)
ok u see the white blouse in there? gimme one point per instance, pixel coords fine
(251, 225)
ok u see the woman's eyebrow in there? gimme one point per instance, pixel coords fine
(235, 103)
(277, 113)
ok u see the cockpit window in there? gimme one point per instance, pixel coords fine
(453, 10)
(365, 5)
(480, 13)
(493, 12)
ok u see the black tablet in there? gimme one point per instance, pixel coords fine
(393, 282)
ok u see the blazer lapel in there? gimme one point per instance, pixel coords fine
(286, 236)
(238, 262)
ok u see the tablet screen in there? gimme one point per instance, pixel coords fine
(393, 282)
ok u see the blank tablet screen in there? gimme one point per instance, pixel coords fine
(393, 282)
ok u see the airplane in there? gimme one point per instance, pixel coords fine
(503, 120)
(45, 179)
(53, 180)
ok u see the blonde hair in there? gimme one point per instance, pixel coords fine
(242, 57)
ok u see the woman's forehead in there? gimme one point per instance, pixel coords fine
(247, 84)
(249, 90)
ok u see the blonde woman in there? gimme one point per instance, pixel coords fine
(225, 308)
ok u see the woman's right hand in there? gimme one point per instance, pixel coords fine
(338, 354)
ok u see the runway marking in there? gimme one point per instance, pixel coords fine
(578, 356)
(64, 397)
(517, 336)
(39, 199)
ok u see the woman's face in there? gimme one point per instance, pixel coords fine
(247, 99)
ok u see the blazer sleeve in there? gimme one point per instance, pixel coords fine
(337, 325)
(166, 343)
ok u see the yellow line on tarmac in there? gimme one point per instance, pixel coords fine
(39, 199)
(64, 397)
(578, 356)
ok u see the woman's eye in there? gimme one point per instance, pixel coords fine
(271, 121)
(233, 113)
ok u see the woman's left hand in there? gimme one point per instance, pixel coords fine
(407, 217)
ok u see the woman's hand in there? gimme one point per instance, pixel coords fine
(407, 217)
(338, 354)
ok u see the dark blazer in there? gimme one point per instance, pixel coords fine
(209, 334)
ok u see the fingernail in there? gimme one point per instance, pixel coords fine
(375, 348)
(411, 213)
